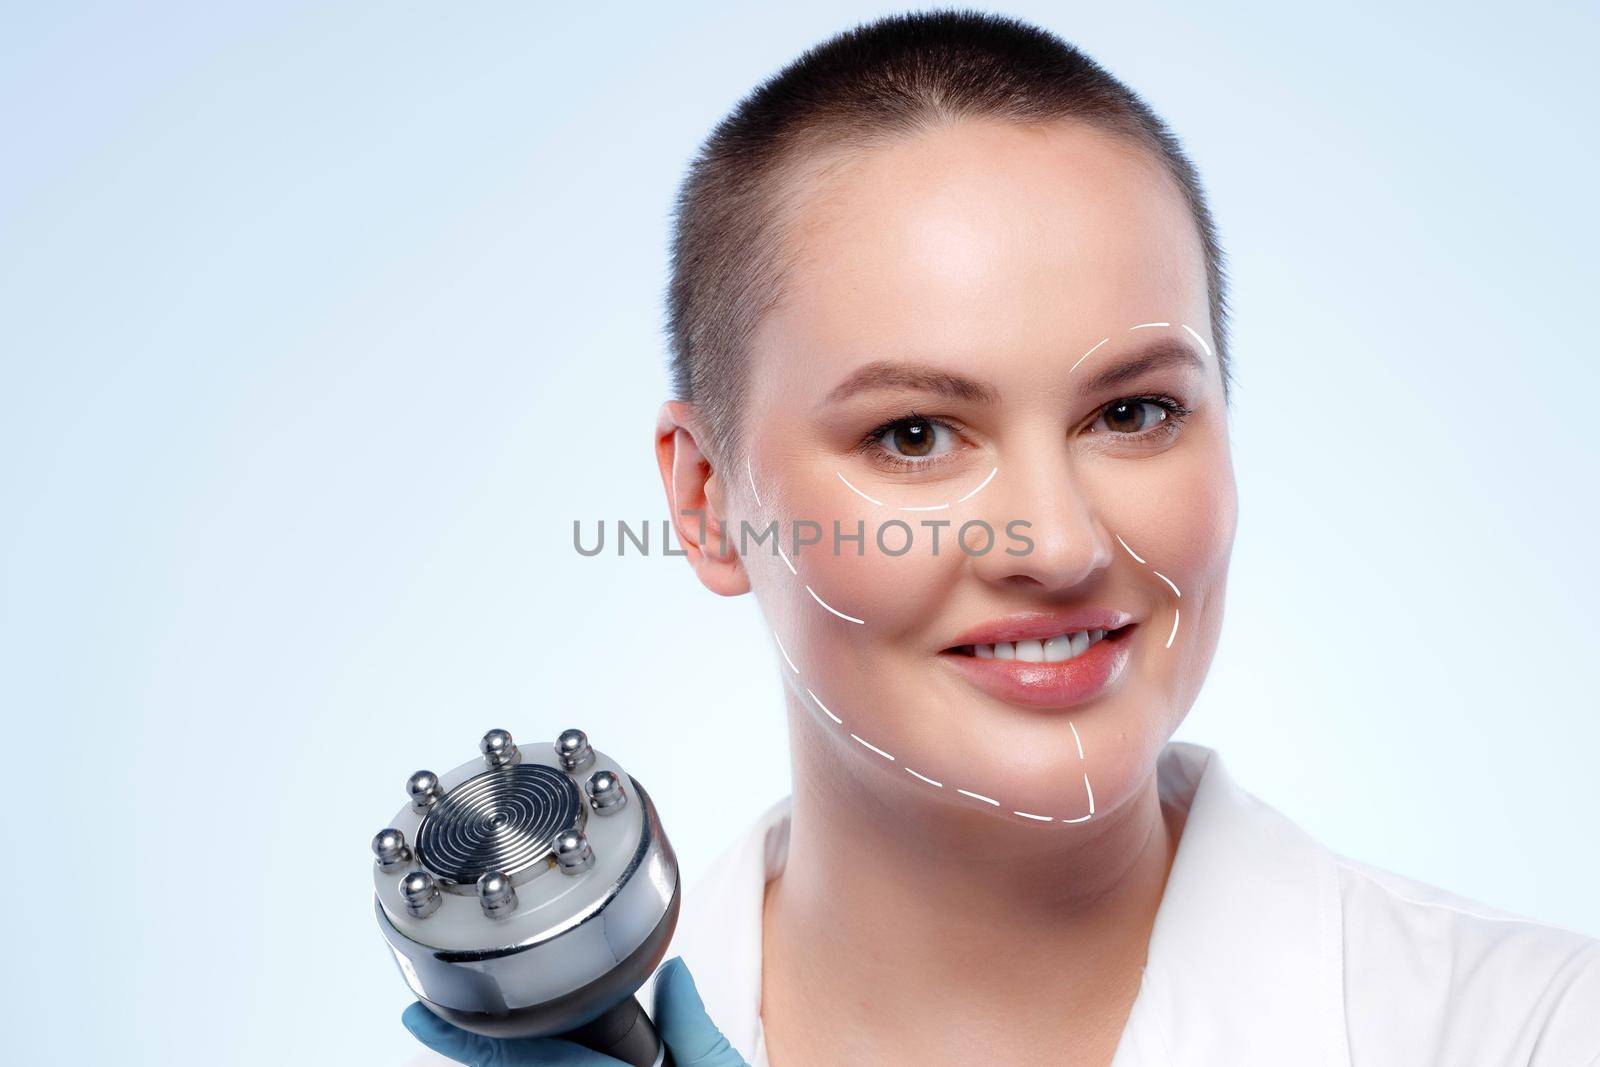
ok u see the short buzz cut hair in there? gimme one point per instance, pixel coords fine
(893, 76)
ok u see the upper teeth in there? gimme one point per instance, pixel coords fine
(1044, 650)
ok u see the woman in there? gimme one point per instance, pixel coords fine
(944, 284)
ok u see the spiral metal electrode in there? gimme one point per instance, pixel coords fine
(530, 892)
(502, 821)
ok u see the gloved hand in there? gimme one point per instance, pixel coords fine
(680, 1018)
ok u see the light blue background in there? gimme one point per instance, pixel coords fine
(320, 325)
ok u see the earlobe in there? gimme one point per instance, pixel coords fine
(695, 500)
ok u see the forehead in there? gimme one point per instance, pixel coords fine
(979, 240)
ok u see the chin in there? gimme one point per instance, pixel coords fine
(960, 749)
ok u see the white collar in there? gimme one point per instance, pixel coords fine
(1245, 959)
(1246, 955)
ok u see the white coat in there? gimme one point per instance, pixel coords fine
(1267, 949)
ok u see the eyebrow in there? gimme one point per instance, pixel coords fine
(891, 374)
(1157, 354)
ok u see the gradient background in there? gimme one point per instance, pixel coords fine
(320, 325)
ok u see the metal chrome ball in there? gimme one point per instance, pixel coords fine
(497, 895)
(390, 849)
(573, 749)
(422, 897)
(605, 792)
(425, 790)
(499, 750)
(573, 854)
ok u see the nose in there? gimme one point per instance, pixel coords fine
(1044, 499)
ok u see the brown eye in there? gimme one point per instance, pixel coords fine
(1132, 416)
(913, 438)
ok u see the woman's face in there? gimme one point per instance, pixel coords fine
(960, 341)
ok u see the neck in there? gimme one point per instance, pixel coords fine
(1024, 935)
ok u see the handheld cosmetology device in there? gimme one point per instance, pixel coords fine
(530, 893)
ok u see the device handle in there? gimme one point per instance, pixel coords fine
(624, 1033)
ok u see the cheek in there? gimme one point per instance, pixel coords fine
(849, 571)
(1178, 512)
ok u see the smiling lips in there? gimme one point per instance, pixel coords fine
(1045, 660)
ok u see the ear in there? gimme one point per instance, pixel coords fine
(695, 493)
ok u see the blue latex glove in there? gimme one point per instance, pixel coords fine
(680, 1018)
